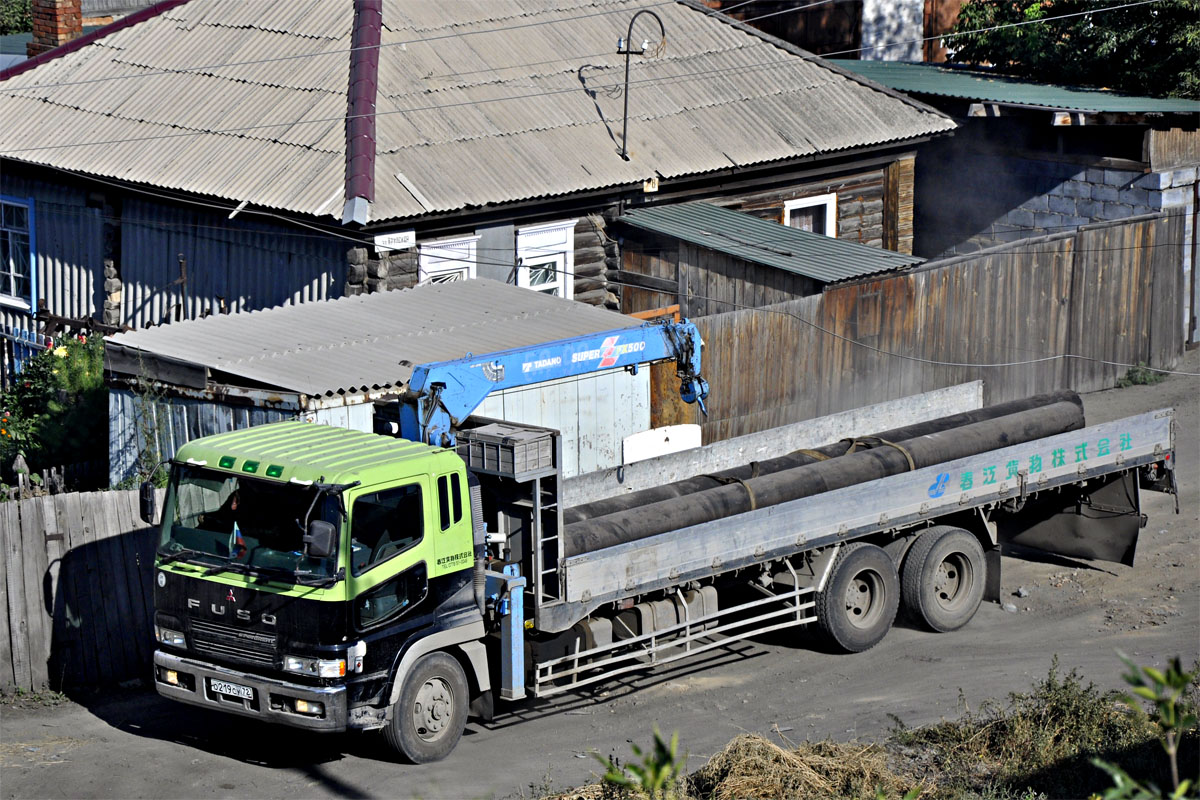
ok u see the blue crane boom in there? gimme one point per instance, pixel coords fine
(446, 392)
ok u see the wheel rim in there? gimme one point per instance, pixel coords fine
(952, 582)
(865, 599)
(433, 710)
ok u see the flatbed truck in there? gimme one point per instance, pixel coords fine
(333, 580)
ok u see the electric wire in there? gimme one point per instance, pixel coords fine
(953, 34)
(790, 10)
(369, 242)
(760, 309)
(526, 96)
(340, 51)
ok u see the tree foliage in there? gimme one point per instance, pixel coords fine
(15, 17)
(1151, 49)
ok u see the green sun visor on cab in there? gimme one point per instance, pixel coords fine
(304, 452)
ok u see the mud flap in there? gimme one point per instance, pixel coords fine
(991, 561)
(1098, 521)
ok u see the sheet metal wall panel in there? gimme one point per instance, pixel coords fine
(253, 266)
(594, 414)
(175, 421)
(69, 242)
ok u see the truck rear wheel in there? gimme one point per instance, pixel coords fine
(858, 604)
(943, 578)
(428, 719)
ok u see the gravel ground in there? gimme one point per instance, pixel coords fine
(131, 744)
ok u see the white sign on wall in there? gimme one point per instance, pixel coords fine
(399, 240)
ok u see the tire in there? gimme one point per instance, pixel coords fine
(859, 602)
(428, 719)
(943, 578)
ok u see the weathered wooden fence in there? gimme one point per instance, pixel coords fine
(1108, 292)
(75, 594)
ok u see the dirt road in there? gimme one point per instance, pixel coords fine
(134, 745)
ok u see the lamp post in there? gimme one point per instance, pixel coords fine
(624, 48)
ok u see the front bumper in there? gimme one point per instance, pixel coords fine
(273, 700)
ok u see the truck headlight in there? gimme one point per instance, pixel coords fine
(320, 668)
(169, 636)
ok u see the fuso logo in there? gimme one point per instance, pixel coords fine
(608, 352)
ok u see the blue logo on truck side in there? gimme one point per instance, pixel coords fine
(938, 488)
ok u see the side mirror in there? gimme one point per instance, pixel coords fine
(320, 539)
(148, 503)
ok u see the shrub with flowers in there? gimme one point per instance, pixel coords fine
(56, 411)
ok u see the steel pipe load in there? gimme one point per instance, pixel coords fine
(823, 476)
(699, 483)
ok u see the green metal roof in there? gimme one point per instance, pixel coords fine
(986, 87)
(305, 451)
(764, 242)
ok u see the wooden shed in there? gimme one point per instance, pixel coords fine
(709, 260)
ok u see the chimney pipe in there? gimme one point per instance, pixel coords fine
(55, 22)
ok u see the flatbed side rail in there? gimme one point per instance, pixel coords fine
(711, 548)
(669, 644)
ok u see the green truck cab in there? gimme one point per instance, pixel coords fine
(322, 578)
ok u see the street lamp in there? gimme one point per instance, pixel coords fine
(624, 48)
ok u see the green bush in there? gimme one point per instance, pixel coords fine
(57, 410)
(15, 17)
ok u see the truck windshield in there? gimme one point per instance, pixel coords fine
(244, 524)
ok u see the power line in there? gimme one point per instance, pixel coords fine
(790, 10)
(526, 96)
(370, 242)
(933, 362)
(340, 51)
(989, 30)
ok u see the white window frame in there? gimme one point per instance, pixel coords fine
(552, 243)
(827, 200)
(18, 302)
(446, 260)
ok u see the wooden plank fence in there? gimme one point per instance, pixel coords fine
(1108, 292)
(76, 598)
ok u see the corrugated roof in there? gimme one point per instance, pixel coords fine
(764, 242)
(987, 87)
(480, 103)
(369, 342)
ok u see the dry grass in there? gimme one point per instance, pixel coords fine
(752, 766)
(1039, 744)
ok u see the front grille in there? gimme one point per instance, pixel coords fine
(226, 641)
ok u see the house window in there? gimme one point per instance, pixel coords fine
(817, 214)
(546, 258)
(447, 260)
(17, 276)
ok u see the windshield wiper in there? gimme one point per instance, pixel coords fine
(179, 554)
(319, 583)
(226, 566)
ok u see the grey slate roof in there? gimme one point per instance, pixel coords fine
(480, 103)
(368, 343)
(973, 85)
(764, 242)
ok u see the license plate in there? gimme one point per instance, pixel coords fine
(233, 689)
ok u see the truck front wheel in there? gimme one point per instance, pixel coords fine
(428, 719)
(943, 578)
(858, 604)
